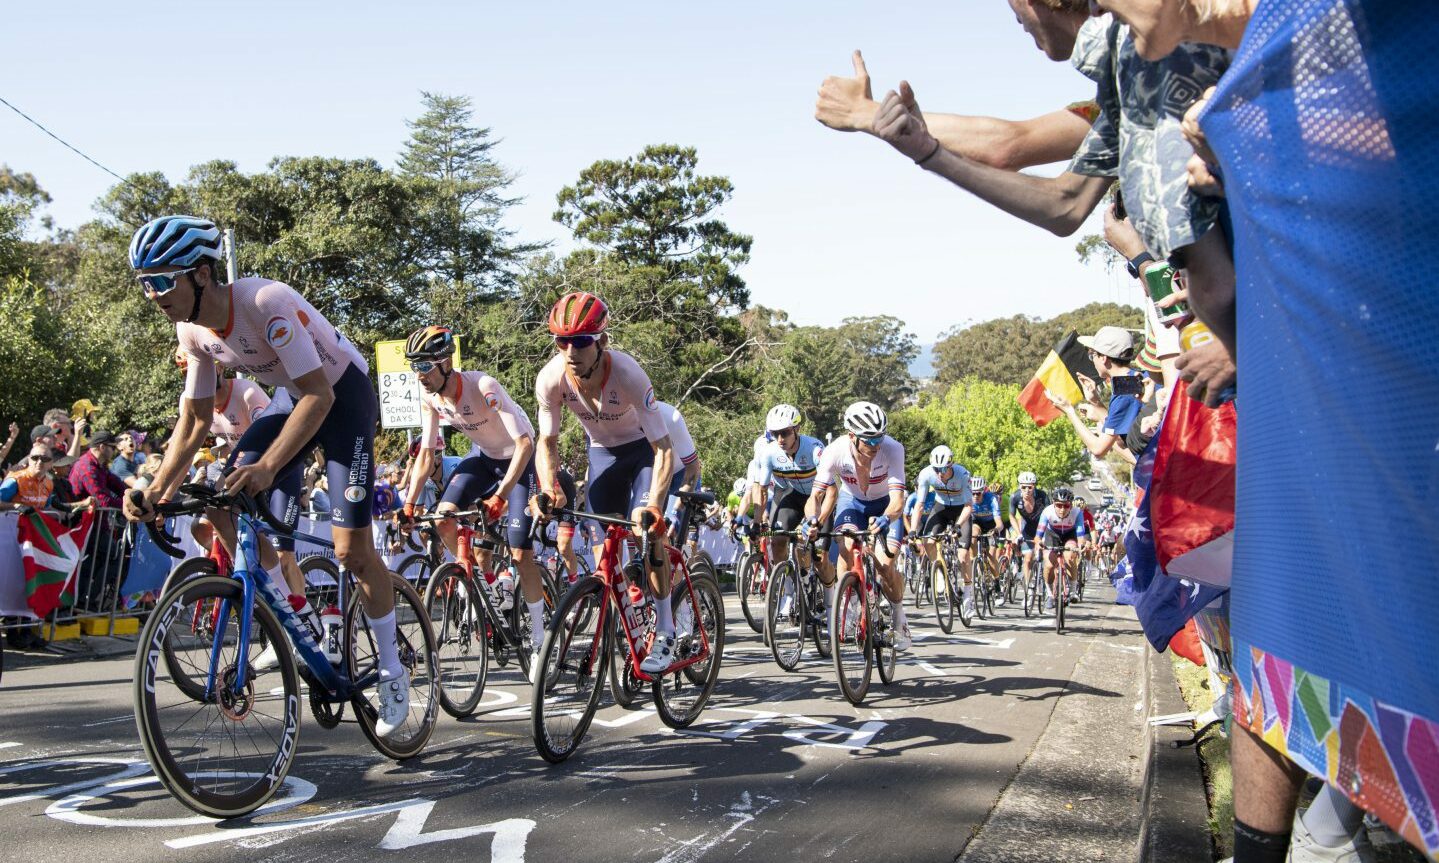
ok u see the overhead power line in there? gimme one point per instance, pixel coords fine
(68, 145)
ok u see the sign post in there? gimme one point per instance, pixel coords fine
(400, 387)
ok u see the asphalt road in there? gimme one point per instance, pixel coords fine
(779, 766)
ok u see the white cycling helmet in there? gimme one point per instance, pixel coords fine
(941, 457)
(976, 483)
(1027, 477)
(865, 419)
(781, 417)
(739, 485)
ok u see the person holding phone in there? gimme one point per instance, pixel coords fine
(1112, 350)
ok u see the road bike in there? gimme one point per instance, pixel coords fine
(579, 642)
(862, 628)
(463, 608)
(916, 573)
(222, 734)
(752, 575)
(796, 607)
(945, 576)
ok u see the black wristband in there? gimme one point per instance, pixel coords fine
(931, 153)
(1138, 261)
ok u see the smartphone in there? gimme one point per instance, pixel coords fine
(1129, 385)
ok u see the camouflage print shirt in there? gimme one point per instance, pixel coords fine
(1137, 137)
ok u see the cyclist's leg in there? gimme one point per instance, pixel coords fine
(253, 444)
(565, 530)
(465, 488)
(966, 541)
(285, 505)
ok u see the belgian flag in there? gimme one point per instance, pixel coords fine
(1059, 374)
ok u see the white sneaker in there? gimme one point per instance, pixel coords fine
(902, 641)
(535, 661)
(506, 588)
(661, 655)
(1303, 848)
(1050, 604)
(394, 706)
(968, 601)
(786, 605)
(268, 659)
(685, 619)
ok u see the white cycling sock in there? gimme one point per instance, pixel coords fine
(383, 629)
(277, 575)
(664, 617)
(537, 624)
(829, 593)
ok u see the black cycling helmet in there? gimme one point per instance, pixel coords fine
(430, 343)
(1063, 495)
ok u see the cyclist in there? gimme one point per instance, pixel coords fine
(787, 467)
(1089, 548)
(860, 480)
(267, 330)
(499, 472)
(631, 459)
(1061, 528)
(1026, 505)
(949, 483)
(687, 474)
(984, 519)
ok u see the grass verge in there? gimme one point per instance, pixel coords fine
(1213, 757)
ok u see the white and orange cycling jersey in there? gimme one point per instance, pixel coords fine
(680, 440)
(242, 405)
(482, 409)
(274, 335)
(626, 410)
(886, 470)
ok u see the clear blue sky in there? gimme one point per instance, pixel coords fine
(843, 225)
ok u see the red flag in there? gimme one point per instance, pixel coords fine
(51, 555)
(1192, 492)
(1185, 643)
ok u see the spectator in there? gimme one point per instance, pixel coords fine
(1112, 350)
(9, 442)
(67, 432)
(319, 500)
(90, 475)
(65, 496)
(125, 464)
(32, 485)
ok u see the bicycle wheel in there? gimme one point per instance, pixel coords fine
(201, 622)
(322, 581)
(965, 610)
(681, 695)
(1034, 587)
(976, 587)
(518, 618)
(1060, 579)
(787, 616)
(751, 599)
(943, 606)
(454, 616)
(884, 632)
(625, 686)
(415, 641)
(567, 691)
(226, 755)
(816, 606)
(849, 634)
(415, 568)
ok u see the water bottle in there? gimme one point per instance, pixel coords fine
(506, 586)
(636, 602)
(301, 605)
(331, 623)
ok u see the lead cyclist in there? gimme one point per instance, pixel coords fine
(267, 330)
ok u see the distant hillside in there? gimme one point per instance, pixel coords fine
(923, 365)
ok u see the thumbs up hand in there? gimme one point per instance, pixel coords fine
(900, 122)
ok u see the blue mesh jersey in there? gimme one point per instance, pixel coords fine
(1325, 132)
(954, 492)
(788, 473)
(987, 508)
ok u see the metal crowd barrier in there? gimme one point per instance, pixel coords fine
(96, 586)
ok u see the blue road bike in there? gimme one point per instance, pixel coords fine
(221, 730)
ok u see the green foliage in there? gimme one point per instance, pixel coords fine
(655, 210)
(49, 363)
(992, 436)
(1009, 350)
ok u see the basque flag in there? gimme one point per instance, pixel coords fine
(51, 555)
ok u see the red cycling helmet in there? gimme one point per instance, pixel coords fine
(579, 313)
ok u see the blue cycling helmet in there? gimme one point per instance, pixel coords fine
(174, 241)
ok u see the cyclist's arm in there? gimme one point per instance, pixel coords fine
(524, 450)
(664, 471)
(692, 474)
(896, 503)
(316, 399)
(419, 474)
(547, 454)
(190, 429)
